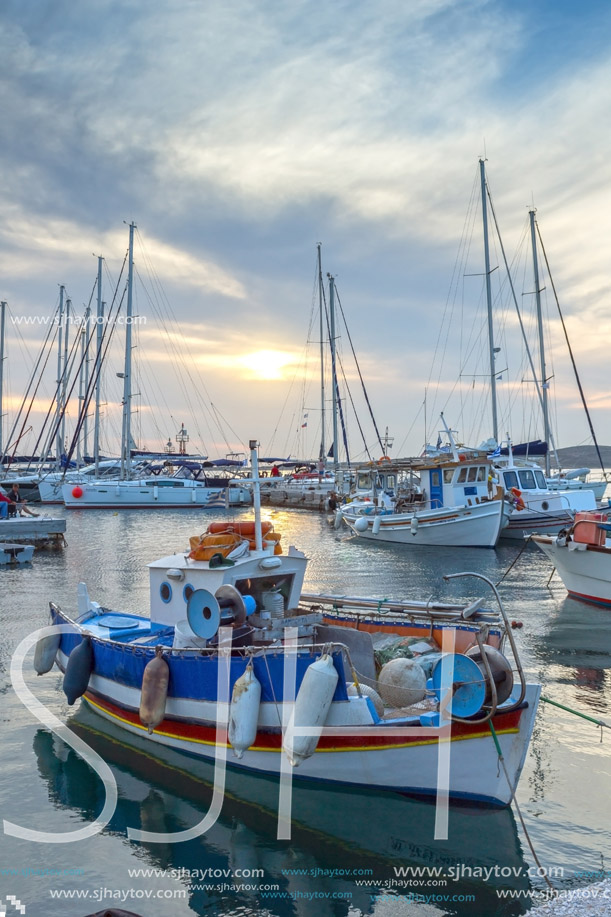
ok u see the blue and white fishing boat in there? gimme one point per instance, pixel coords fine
(233, 663)
(454, 502)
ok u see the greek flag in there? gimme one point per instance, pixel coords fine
(220, 498)
(496, 453)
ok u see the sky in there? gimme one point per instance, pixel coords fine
(238, 136)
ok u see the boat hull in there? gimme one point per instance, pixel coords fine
(143, 495)
(356, 748)
(584, 569)
(477, 526)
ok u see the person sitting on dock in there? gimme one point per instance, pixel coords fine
(16, 501)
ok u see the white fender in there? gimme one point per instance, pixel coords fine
(45, 653)
(311, 709)
(244, 712)
(414, 524)
(337, 522)
(375, 528)
(361, 524)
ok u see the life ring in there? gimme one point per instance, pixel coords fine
(517, 501)
(384, 458)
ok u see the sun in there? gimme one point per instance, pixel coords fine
(266, 364)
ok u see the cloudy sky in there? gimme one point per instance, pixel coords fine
(238, 135)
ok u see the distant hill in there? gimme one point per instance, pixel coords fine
(584, 457)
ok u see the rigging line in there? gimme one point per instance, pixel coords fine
(108, 332)
(52, 326)
(231, 430)
(373, 420)
(176, 358)
(163, 297)
(515, 300)
(338, 399)
(356, 416)
(61, 382)
(568, 344)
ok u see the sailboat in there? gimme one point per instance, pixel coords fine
(536, 508)
(187, 486)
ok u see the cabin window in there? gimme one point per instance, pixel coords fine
(472, 475)
(364, 482)
(187, 592)
(391, 482)
(435, 479)
(527, 480)
(165, 591)
(462, 476)
(511, 479)
(481, 474)
(448, 474)
(540, 478)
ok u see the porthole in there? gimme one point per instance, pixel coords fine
(165, 591)
(187, 592)
(545, 505)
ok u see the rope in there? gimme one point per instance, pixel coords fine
(517, 808)
(514, 561)
(583, 716)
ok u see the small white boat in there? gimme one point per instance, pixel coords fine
(536, 507)
(582, 557)
(229, 656)
(15, 553)
(455, 505)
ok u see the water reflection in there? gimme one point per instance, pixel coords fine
(343, 831)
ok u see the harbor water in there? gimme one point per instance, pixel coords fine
(350, 853)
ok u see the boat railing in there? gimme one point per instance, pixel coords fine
(408, 608)
(508, 634)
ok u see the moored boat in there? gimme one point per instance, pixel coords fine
(582, 557)
(227, 621)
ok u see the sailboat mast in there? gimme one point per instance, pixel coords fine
(323, 449)
(544, 382)
(495, 425)
(81, 445)
(2, 320)
(86, 380)
(333, 372)
(97, 370)
(126, 430)
(58, 396)
(65, 374)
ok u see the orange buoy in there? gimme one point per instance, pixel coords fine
(77, 492)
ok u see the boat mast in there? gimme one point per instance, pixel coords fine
(323, 451)
(126, 431)
(81, 449)
(97, 370)
(65, 374)
(544, 382)
(58, 395)
(495, 425)
(2, 318)
(333, 372)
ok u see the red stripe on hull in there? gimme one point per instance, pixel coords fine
(354, 739)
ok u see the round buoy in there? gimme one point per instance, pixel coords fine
(361, 524)
(402, 682)
(77, 492)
